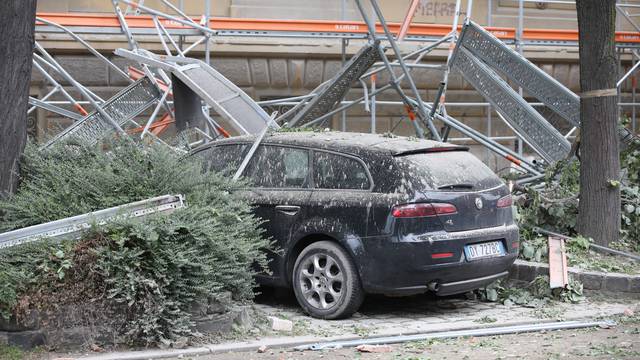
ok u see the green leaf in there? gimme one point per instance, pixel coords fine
(492, 295)
(538, 255)
(528, 250)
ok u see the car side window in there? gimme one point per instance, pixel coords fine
(333, 171)
(223, 158)
(279, 167)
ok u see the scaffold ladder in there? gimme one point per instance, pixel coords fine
(519, 115)
(334, 91)
(537, 83)
(122, 108)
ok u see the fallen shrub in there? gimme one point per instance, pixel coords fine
(534, 294)
(141, 275)
(555, 206)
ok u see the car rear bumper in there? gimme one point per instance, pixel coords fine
(396, 267)
(467, 285)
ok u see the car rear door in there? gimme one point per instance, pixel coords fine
(279, 177)
(340, 201)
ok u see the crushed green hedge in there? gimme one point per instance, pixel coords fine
(149, 271)
(555, 206)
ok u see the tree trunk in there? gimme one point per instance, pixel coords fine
(599, 207)
(17, 25)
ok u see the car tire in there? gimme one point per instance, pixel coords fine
(326, 282)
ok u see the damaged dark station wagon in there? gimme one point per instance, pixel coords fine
(360, 213)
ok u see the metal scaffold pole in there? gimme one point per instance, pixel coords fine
(519, 46)
(439, 102)
(390, 38)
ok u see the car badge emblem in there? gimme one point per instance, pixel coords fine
(479, 203)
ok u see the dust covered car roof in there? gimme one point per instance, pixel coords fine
(348, 142)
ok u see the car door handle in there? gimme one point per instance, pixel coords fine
(288, 209)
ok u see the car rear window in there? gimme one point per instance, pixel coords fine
(333, 171)
(453, 169)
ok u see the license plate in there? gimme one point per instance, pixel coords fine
(484, 250)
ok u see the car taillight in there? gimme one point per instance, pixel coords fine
(422, 210)
(505, 201)
(444, 255)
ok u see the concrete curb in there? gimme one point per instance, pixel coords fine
(283, 342)
(611, 283)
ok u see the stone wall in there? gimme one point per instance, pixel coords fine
(612, 284)
(86, 326)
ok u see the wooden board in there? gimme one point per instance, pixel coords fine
(558, 275)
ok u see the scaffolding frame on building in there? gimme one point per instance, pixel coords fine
(148, 21)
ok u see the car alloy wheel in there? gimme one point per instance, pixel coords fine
(325, 281)
(321, 281)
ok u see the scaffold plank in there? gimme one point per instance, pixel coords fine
(517, 68)
(122, 107)
(337, 88)
(522, 117)
(71, 227)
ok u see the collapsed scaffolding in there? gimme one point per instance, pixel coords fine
(199, 91)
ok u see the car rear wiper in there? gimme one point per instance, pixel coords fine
(461, 186)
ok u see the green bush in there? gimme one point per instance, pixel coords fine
(20, 267)
(555, 207)
(532, 293)
(152, 268)
(630, 194)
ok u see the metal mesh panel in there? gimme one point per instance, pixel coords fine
(122, 107)
(534, 80)
(226, 98)
(523, 118)
(337, 89)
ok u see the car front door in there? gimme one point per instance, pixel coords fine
(280, 190)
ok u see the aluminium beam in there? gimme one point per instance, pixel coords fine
(54, 109)
(487, 331)
(390, 38)
(73, 227)
(91, 49)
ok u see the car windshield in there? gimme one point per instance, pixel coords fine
(456, 171)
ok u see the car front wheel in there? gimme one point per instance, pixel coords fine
(326, 283)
